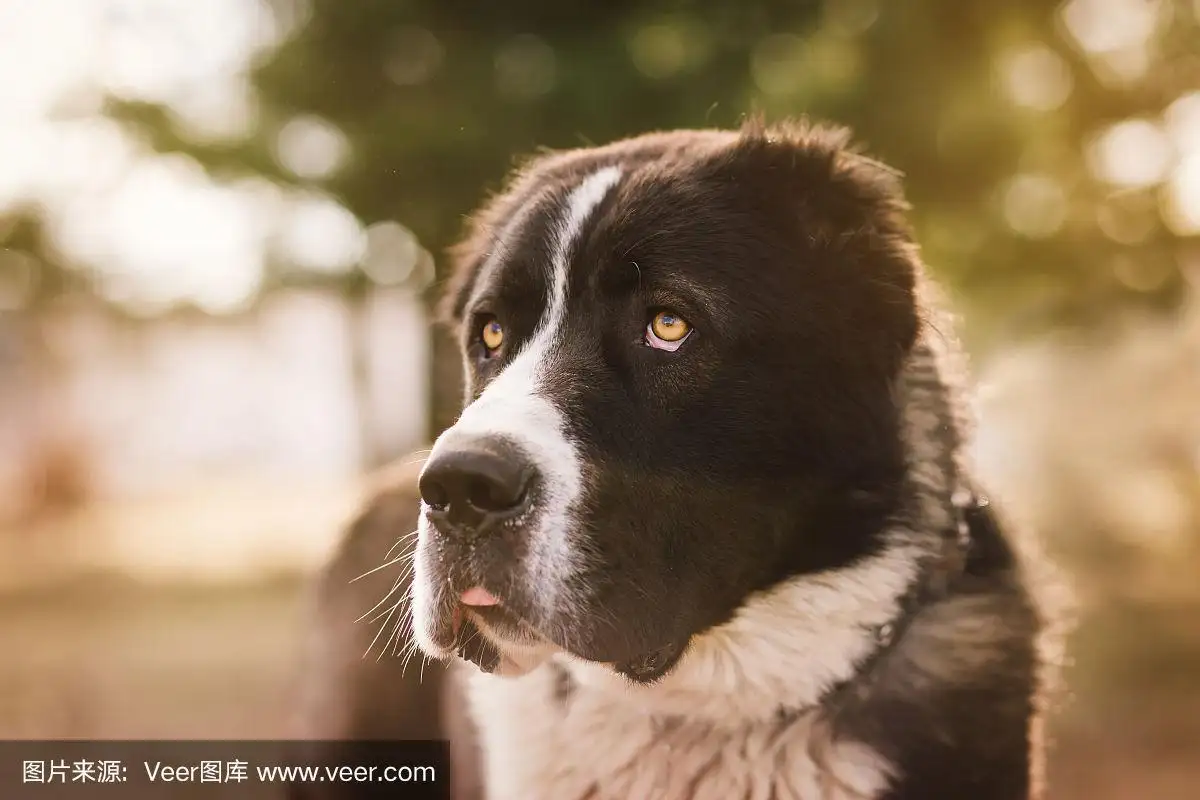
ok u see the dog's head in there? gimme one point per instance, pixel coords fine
(681, 353)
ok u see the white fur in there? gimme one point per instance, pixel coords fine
(515, 407)
(422, 596)
(712, 719)
(601, 748)
(602, 752)
(783, 648)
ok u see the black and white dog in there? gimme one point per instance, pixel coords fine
(705, 527)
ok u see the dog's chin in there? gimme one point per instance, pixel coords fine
(494, 653)
(500, 643)
(493, 639)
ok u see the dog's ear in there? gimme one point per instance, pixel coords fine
(846, 216)
(826, 170)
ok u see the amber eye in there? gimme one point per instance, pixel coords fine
(492, 334)
(667, 330)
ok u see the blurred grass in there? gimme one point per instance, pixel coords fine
(238, 528)
(109, 658)
(177, 617)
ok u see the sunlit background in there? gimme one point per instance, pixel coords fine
(221, 223)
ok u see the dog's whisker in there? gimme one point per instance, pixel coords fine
(644, 239)
(388, 611)
(405, 539)
(395, 586)
(411, 650)
(382, 628)
(386, 626)
(398, 632)
(382, 566)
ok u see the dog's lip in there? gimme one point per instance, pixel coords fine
(486, 632)
(479, 606)
(502, 621)
(457, 609)
(492, 636)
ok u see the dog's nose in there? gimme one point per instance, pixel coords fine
(476, 482)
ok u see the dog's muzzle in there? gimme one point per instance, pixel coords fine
(477, 489)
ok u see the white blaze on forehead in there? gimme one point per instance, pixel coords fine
(514, 407)
(580, 205)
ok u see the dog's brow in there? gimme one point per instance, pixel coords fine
(651, 279)
(701, 294)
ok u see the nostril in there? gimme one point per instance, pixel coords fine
(433, 493)
(483, 494)
(486, 493)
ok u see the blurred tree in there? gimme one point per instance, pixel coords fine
(32, 279)
(990, 109)
(31, 272)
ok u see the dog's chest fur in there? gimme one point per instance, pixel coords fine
(541, 741)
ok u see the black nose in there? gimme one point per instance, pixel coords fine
(476, 483)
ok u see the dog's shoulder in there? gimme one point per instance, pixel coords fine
(971, 672)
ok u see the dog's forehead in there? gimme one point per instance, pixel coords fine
(525, 220)
(571, 228)
(544, 230)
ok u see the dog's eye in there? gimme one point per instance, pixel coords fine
(667, 331)
(492, 335)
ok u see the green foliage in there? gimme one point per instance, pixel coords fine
(437, 98)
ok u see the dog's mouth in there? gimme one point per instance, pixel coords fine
(491, 635)
(495, 638)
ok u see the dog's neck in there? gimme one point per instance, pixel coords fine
(794, 646)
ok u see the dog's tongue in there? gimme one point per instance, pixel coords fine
(478, 596)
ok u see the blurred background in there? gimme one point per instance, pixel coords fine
(222, 222)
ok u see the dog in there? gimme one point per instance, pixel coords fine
(706, 527)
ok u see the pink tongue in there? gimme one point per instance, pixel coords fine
(479, 596)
